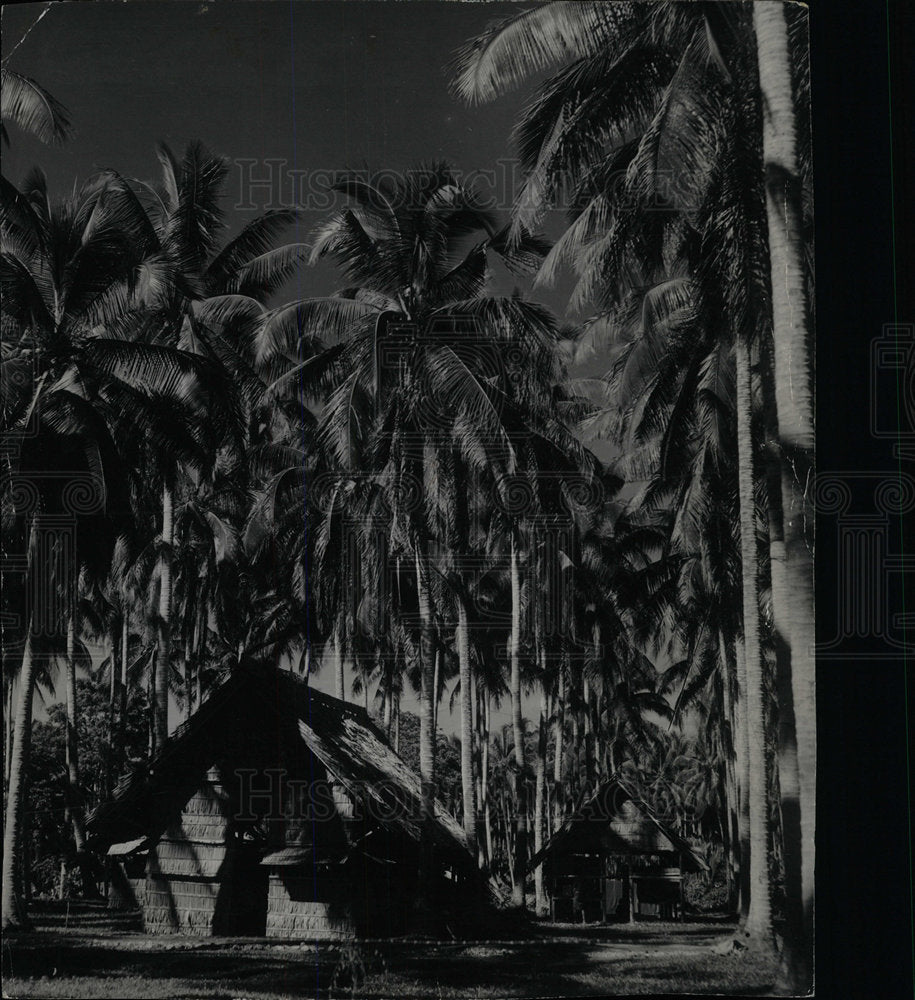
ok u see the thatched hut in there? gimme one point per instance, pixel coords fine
(614, 860)
(278, 810)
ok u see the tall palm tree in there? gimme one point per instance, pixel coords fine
(210, 309)
(578, 134)
(67, 268)
(405, 374)
(782, 89)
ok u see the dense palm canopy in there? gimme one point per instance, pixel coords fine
(393, 479)
(652, 132)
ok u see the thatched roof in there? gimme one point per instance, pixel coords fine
(251, 707)
(615, 821)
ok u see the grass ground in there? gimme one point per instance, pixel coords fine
(82, 951)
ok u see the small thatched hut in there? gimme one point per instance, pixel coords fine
(614, 860)
(278, 810)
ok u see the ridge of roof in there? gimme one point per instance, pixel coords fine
(314, 712)
(614, 781)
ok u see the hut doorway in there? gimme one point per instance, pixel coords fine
(241, 907)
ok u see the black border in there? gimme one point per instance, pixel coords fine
(861, 59)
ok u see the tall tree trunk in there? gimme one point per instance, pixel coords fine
(586, 733)
(540, 788)
(200, 648)
(484, 777)
(477, 725)
(743, 782)
(13, 908)
(339, 680)
(151, 701)
(794, 388)
(759, 918)
(188, 676)
(732, 740)
(557, 757)
(796, 952)
(426, 735)
(121, 733)
(388, 696)
(575, 775)
(436, 687)
(462, 641)
(163, 660)
(74, 788)
(8, 734)
(514, 652)
(113, 678)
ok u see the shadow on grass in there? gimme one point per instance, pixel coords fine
(131, 964)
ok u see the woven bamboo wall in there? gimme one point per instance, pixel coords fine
(176, 906)
(188, 865)
(139, 890)
(287, 917)
(125, 892)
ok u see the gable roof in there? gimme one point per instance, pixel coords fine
(339, 734)
(615, 820)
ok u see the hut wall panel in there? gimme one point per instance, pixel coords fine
(139, 890)
(170, 857)
(288, 917)
(174, 906)
(186, 867)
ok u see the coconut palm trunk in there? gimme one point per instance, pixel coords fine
(484, 777)
(74, 788)
(339, 680)
(794, 365)
(200, 647)
(120, 738)
(151, 701)
(113, 651)
(742, 761)
(436, 687)
(557, 755)
(796, 961)
(164, 638)
(13, 908)
(514, 652)
(734, 751)
(426, 736)
(758, 926)
(540, 792)
(476, 762)
(188, 675)
(387, 696)
(462, 642)
(8, 733)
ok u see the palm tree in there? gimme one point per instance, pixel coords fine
(578, 133)
(401, 393)
(67, 268)
(32, 108)
(210, 309)
(793, 351)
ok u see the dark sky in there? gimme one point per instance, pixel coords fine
(320, 86)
